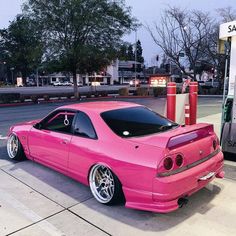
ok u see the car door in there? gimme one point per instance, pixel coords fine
(49, 142)
(83, 147)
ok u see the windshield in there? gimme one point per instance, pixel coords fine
(136, 121)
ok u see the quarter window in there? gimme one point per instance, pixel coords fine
(83, 126)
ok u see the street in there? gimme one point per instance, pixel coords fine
(35, 200)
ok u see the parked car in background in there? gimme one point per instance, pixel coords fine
(134, 83)
(123, 151)
(212, 83)
(30, 83)
(57, 83)
(79, 84)
(201, 83)
(66, 83)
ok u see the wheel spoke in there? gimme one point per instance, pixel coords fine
(110, 190)
(105, 190)
(99, 188)
(100, 173)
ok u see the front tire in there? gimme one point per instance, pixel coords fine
(105, 186)
(14, 148)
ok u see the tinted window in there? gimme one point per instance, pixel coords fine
(83, 126)
(136, 121)
(61, 122)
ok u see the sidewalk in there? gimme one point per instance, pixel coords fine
(212, 119)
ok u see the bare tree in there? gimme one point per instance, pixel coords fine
(227, 14)
(182, 31)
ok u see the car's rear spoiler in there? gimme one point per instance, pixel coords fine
(189, 137)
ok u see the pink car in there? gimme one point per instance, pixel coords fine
(123, 151)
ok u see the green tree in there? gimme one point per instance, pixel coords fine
(130, 53)
(139, 52)
(21, 45)
(123, 52)
(81, 35)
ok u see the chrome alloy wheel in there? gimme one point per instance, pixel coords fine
(12, 146)
(102, 183)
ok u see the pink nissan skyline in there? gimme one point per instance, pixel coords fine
(123, 152)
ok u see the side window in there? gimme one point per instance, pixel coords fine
(83, 126)
(61, 122)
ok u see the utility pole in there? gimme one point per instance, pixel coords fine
(37, 77)
(135, 58)
(12, 75)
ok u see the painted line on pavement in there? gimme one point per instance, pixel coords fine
(29, 214)
(3, 137)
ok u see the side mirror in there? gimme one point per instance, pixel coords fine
(38, 126)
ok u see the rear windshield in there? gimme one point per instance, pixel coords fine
(136, 121)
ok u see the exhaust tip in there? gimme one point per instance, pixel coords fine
(182, 202)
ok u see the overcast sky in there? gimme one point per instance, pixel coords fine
(146, 12)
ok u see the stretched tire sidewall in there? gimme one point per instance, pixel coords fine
(20, 155)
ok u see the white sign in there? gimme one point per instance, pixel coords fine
(19, 82)
(227, 30)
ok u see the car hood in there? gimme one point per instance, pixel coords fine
(32, 122)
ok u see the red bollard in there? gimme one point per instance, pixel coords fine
(171, 100)
(193, 90)
(187, 114)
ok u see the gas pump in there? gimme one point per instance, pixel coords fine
(228, 128)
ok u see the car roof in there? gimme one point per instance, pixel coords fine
(100, 106)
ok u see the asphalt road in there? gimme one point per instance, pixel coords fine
(36, 201)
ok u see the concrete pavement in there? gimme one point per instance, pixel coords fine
(212, 119)
(38, 201)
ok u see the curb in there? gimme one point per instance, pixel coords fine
(70, 100)
(210, 96)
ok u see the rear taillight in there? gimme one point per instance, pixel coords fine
(168, 163)
(179, 160)
(214, 144)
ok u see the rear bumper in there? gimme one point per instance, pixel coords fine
(168, 190)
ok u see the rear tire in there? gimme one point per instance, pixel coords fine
(14, 148)
(105, 186)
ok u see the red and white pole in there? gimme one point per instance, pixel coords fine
(171, 100)
(187, 114)
(193, 90)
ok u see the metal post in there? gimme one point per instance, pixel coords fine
(37, 77)
(171, 100)
(193, 91)
(226, 81)
(12, 75)
(135, 56)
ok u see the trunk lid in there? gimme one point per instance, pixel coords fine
(193, 142)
